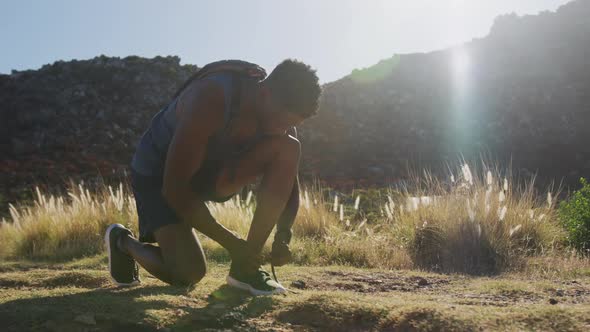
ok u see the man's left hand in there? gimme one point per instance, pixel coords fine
(281, 254)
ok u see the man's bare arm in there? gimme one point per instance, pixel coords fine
(197, 121)
(288, 215)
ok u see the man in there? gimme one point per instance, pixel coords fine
(224, 128)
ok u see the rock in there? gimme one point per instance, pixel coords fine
(560, 292)
(86, 319)
(299, 284)
(422, 282)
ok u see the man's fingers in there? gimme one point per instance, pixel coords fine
(281, 260)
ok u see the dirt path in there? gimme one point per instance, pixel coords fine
(78, 296)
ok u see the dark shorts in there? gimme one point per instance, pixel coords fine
(154, 212)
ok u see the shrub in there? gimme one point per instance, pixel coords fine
(574, 215)
(476, 224)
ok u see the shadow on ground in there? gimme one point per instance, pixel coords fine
(101, 309)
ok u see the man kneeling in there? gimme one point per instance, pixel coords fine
(228, 125)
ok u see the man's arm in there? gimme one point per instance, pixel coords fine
(287, 218)
(288, 215)
(197, 121)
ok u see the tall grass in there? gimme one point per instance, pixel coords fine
(66, 226)
(475, 223)
(313, 218)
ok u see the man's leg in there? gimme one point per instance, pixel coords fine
(277, 159)
(179, 259)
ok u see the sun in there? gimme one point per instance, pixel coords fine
(460, 62)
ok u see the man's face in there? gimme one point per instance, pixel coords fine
(276, 119)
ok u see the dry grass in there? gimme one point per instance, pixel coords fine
(313, 218)
(65, 227)
(474, 224)
(53, 297)
(564, 264)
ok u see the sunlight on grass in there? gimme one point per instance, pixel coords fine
(474, 223)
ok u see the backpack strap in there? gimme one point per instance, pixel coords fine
(235, 102)
(244, 68)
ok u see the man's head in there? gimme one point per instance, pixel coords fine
(289, 95)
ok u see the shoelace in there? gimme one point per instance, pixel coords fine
(274, 275)
(264, 273)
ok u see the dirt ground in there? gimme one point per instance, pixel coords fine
(79, 296)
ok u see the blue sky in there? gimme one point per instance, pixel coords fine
(333, 36)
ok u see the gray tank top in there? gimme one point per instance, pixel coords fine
(150, 154)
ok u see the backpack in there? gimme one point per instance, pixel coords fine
(239, 69)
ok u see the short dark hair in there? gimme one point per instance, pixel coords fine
(295, 86)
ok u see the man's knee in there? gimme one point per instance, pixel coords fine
(189, 276)
(182, 254)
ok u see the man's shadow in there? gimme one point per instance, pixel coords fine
(132, 309)
(227, 307)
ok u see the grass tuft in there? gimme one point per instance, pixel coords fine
(475, 223)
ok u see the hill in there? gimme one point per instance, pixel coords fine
(520, 94)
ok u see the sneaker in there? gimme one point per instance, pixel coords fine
(258, 282)
(124, 271)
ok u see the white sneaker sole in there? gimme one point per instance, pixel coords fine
(242, 285)
(107, 243)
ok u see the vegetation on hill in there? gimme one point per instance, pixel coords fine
(575, 217)
(517, 95)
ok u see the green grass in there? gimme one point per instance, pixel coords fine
(78, 295)
(575, 217)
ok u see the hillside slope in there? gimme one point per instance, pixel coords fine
(520, 93)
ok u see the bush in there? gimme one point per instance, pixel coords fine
(575, 217)
(474, 223)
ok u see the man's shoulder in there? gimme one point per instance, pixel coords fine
(204, 89)
(204, 100)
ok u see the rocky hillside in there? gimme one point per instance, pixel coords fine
(522, 93)
(79, 118)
